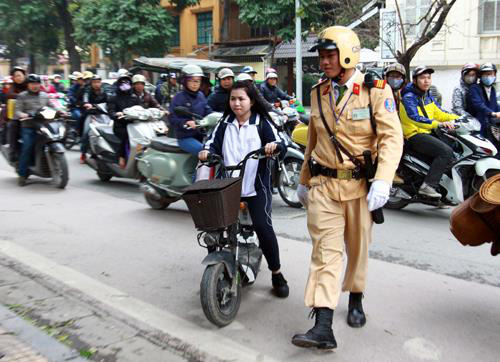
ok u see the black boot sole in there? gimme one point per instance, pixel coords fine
(307, 343)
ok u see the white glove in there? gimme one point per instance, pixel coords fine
(378, 195)
(302, 191)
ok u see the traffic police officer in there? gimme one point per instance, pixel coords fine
(353, 115)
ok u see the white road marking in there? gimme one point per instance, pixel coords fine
(202, 339)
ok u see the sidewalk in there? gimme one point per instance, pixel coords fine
(22, 342)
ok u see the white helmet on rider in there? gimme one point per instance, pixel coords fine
(192, 70)
(138, 78)
(243, 77)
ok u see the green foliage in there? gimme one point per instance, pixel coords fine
(29, 28)
(277, 15)
(123, 28)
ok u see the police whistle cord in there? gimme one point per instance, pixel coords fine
(369, 167)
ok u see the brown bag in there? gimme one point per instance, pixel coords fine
(477, 220)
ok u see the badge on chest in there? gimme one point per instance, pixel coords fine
(360, 113)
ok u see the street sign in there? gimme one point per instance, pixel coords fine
(389, 34)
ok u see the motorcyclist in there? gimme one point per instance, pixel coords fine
(483, 99)
(270, 90)
(92, 96)
(121, 73)
(58, 85)
(47, 86)
(122, 99)
(163, 78)
(460, 98)
(29, 102)
(250, 71)
(218, 99)
(146, 100)
(420, 114)
(169, 89)
(395, 75)
(189, 137)
(18, 86)
(73, 94)
(246, 127)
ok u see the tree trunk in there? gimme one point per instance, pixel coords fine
(68, 28)
(275, 43)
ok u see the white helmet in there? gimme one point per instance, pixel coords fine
(243, 76)
(224, 73)
(192, 70)
(122, 72)
(138, 78)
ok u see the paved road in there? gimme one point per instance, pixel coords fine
(103, 240)
(417, 236)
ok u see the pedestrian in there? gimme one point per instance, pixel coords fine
(333, 187)
(246, 127)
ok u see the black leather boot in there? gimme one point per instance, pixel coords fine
(321, 335)
(356, 317)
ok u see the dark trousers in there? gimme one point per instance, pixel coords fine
(441, 154)
(120, 131)
(13, 129)
(260, 210)
(28, 136)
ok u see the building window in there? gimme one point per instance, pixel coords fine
(489, 16)
(175, 40)
(204, 27)
(259, 32)
(414, 11)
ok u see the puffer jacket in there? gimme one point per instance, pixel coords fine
(481, 106)
(218, 99)
(459, 103)
(197, 103)
(412, 117)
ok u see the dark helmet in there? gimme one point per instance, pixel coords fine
(96, 77)
(16, 69)
(34, 78)
(163, 76)
(487, 67)
(421, 69)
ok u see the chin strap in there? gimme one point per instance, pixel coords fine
(339, 77)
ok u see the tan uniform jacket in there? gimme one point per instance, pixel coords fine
(355, 135)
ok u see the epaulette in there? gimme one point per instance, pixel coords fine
(379, 83)
(370, 82)
(321, 81)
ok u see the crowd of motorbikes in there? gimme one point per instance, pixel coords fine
(166, 173)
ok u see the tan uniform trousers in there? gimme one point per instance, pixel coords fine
(333, 224)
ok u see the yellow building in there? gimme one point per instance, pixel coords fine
(198, 28)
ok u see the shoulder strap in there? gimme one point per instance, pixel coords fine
(339, 148)
(422, 108)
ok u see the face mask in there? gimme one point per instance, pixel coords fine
(488, 80)
(471, 79)
(125, 87)
(395, 83)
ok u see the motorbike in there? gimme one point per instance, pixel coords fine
(288, 167)
(168, 170)
(143, 126)
(226, 231)
(494, 131)
(474, 163)
(49, 160)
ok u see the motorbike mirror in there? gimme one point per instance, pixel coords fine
(48, 113)
(184, 111)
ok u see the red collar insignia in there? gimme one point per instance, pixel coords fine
(356, 88)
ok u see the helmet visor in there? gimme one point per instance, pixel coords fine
(323, 44)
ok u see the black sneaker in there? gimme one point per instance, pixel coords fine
(280, 286)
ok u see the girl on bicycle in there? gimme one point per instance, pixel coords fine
(246, 127)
